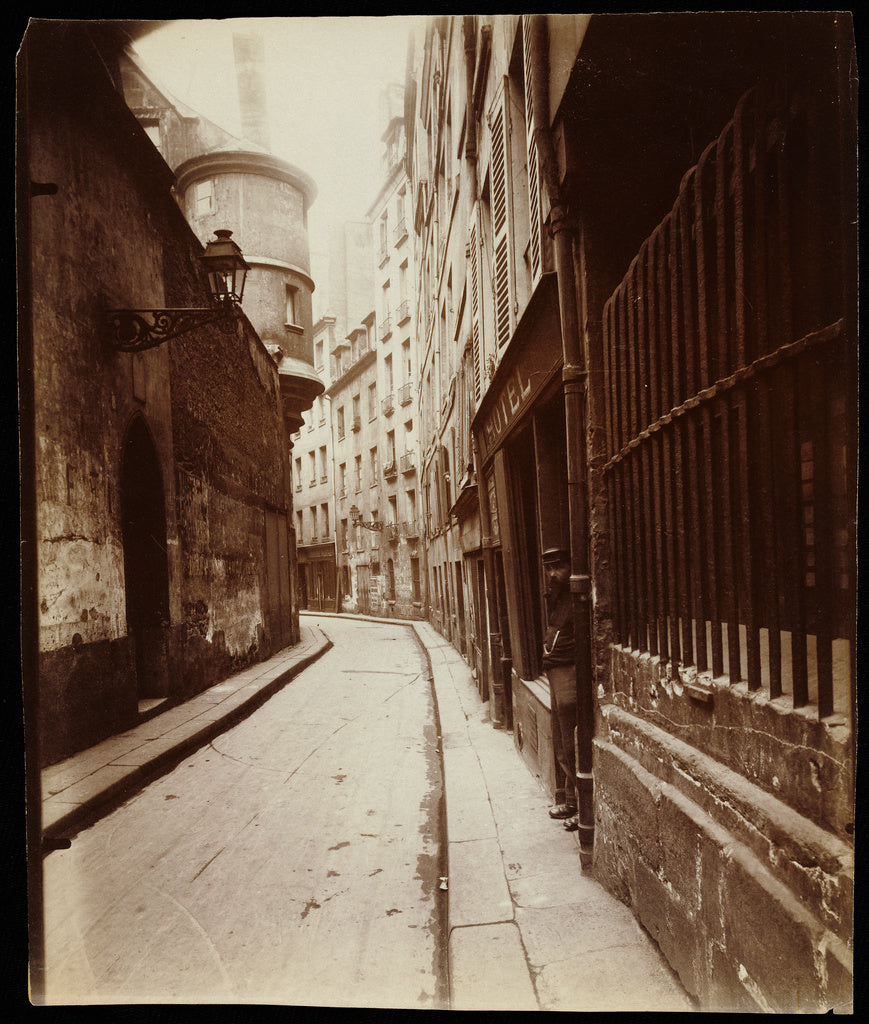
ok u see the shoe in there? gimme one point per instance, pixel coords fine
(562, 811)
(571, 825)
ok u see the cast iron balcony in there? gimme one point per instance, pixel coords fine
(403, 313)
(405, 393)
(406, 461)
(388, 404)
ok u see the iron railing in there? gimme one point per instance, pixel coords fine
(730, 469)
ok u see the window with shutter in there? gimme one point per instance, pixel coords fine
(502, 284)
(534, 201)
(476, 308)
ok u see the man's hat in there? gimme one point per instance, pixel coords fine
(553, 555)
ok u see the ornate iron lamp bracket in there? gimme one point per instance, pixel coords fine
(135, 330)
(356, 519)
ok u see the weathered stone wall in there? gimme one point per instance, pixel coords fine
(230, 468)
(749, 898)
(113, 237)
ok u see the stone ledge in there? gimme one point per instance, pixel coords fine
(810, 860)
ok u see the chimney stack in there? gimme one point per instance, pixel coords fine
(249, 53)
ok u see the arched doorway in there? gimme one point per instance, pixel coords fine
(146, 568)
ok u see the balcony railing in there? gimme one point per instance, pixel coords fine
(410, 528)
(406, 462)
(384, 256)
(388, 404)
(357, 423)
(405, 393)
(399, 232)
(385, 328)
(403, 313)
(393, 532)
(390, 470)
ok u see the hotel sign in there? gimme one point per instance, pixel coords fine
(528, 365)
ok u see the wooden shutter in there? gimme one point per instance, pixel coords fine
(476, 306)
(502, 284)
(534, 199)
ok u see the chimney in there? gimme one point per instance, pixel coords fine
(249, 62)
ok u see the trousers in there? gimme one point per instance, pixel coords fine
(562, 689)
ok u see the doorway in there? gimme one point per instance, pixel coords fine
(146, 566)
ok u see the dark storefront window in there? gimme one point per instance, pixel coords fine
(531, 490)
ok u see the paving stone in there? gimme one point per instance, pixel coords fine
(489, 970)
(477, 886)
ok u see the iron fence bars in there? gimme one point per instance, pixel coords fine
(729, 436)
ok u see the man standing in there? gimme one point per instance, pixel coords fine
(559, 663)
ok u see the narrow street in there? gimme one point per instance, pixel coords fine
(293, 860)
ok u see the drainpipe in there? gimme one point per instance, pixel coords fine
(497, 665)
(575, 379)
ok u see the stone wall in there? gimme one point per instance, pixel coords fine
(712, 842)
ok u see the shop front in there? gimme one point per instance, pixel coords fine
(519, 433)
(318, 577)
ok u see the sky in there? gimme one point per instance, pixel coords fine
(324, 77)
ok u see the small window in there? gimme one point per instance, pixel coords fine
(204, 197)
(292, 300)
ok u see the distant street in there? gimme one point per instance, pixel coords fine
(294, 860)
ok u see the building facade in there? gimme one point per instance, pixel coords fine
(164, 554)
(636, 316)
(357, 459)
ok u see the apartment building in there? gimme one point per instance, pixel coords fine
(355, 465)
(636, 318)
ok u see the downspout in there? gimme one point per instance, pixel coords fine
(497, 667)
(575, 379)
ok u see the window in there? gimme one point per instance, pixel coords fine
(203, 196)
(324, 510)
(152, 130)
(406, 359)
(357, 418)
(318, 356)
(372, 401)
(502, 270)
(340, 422)
(393, 509)
(372, 463)
(358, 473)
(292, 298)
(299, 473)
(474, 293)
(390, 447)
(415, 580)
(299, 525)
(411, 506)
(343, 534)
(342, 479)
(384, 243)
(313, 467)
(313, 522)
(534, 195)
(323, 470)
(390, 580)
(321, 411)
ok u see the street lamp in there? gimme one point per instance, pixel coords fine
(134, 330)
(356, 520)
